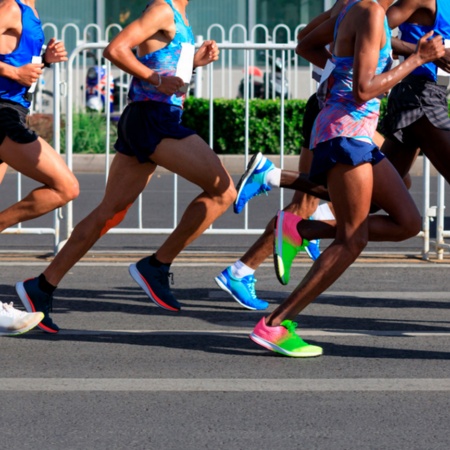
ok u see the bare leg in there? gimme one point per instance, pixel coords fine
(127, 179)
(302, 205)
(352, 209)
(193, 159)
(41, 163)
(353, 228)
(435, 144)
(3, 169)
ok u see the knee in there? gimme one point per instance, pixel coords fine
(355, 245)
(227, 194)
(70, 190)
(411, 227)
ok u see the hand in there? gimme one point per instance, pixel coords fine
(55, 52)
(28, 74)
(444, 62)
(170, 85)
(429, 49)
(207, 53)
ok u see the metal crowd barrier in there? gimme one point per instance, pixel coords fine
(218, 80)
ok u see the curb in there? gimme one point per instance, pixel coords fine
(235, 164)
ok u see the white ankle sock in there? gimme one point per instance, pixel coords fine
(241, 270)
(273, 178)
(323, 212)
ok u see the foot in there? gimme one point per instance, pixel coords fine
(253, 182)
(241, 289)
(313, 249)
(14, 322)
(155, 283)
(35, 300)
(287, 243)
(283, 339)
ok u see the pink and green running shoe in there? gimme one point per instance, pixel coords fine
(283, 339)
(287, 243)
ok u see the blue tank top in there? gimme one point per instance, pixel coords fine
(30, 44)
(341, 115)
(163, 61)
(411, 32)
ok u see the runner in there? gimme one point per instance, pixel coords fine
(150, 134)
(346, 160)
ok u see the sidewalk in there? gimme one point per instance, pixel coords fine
(234, 164)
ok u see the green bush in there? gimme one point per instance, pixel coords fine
(89, 129)
(264, 124)
(89, 133)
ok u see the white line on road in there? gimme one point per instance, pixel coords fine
(223, 384)
(221, 264)
(242, 331)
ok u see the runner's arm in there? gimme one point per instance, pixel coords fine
(158, 17)
(368, 85)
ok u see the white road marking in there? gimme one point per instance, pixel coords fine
(224, 384)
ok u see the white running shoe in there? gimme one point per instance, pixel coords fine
(14, 321)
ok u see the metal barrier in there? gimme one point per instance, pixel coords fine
(219, 80)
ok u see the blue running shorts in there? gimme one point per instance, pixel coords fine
(143, 125)
(342, 150)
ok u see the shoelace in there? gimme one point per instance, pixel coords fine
(6, 306)
(164, 278)
(289, 325)
(251, 286)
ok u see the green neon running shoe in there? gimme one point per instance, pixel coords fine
(283, 339)
(287, 243)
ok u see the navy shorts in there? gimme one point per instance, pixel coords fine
(13, 123)
(143, 125)
(342, 150)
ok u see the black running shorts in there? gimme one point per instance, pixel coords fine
(411, 99)
(13, 123)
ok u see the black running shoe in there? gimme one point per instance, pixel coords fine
(155, 282)
(34, 299)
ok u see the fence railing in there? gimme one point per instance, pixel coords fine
(281, 75)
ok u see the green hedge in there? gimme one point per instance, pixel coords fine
(264, 124)
(229, 126)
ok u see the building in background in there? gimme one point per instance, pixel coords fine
(202, 13)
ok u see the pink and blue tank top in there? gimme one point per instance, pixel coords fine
(411, 32)
(30, 44)
(164, 61)
(342, 115)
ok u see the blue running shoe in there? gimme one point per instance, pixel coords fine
(36, 300)
(241, 289)
(155, 283)
(253, 182)
(313, 249)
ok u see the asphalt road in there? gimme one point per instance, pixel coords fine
(124, 374)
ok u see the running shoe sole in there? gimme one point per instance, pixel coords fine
(141, 281)
(25, 329)
(256, 159)
(224, 288)
(278, 249)
(28, 305)
(275, 348)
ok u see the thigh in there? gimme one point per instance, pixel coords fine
(400, 156)
(306, 157)
(36, 160)
(194, 160)
(435, 145)
(391, 194)
(350, 191)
